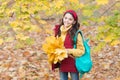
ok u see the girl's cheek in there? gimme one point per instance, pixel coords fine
(71, 22)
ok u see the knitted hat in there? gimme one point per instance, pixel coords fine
(73, 14)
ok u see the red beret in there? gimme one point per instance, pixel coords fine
(73, 13)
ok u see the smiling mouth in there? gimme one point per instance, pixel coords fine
(67, 23)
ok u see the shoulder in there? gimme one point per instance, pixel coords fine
(56, 27)
(79, 32)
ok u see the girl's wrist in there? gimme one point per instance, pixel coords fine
(67, 51)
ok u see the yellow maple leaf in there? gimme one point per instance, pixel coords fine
(102, 2)
(1, 41)
(108, 38)
(14, 24)
(102, 18)
(21, 36)
(74, 1)
(46, 3)
(42, 21)
(51, 58)
(81, 5)
(55, 59)
(34, 28)
(57, 4)
(51, 45)
(87, 12)
(62, 56)
(48, 31)
(115, 42)
(9, 39)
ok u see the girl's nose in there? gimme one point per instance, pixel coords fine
(66, 20)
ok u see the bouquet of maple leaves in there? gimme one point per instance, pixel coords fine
(54, 48)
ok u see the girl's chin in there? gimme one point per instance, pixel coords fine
(66, 25)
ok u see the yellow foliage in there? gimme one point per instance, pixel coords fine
(108, 38)
(74, 1)
(24, 8)
(48, 29)
(51, 43)
(87, 12)
(59, 3)
(21, 36)
(81, 5)
(102, 18)
(15, 24)
(24, 16)
(54, 48)
(46, 3)
(1, 41)
(99, 47)
(61, 53)
(9, 39)
(115, 42)
(34, 28)
(101, 2)
(42, 21)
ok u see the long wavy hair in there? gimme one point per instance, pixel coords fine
(73, 29)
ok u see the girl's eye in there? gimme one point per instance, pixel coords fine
(65, 17)
(70, 19)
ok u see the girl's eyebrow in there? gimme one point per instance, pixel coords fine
(70, 18)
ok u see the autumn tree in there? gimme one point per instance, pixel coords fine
(22, 16)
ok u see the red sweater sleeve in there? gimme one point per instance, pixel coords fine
(56, 29)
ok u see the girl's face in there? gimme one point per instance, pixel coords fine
(68, 20)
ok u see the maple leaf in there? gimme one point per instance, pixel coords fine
(101, 2)
(54, 48)
(74, 1)
(115, 42)
(21, 36)
(1, 41)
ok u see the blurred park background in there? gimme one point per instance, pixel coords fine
(24, 25)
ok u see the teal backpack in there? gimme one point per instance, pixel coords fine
(84, 62)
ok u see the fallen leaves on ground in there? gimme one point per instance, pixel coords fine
(31, 63)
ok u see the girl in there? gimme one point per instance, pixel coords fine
(67, 29)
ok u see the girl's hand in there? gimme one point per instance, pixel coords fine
(59, 51)
(71, 56)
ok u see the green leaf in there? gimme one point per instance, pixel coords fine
(19, 45)
(9, 39)
(29, 41)
(99, 46)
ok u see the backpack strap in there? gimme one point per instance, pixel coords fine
(75, 38)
